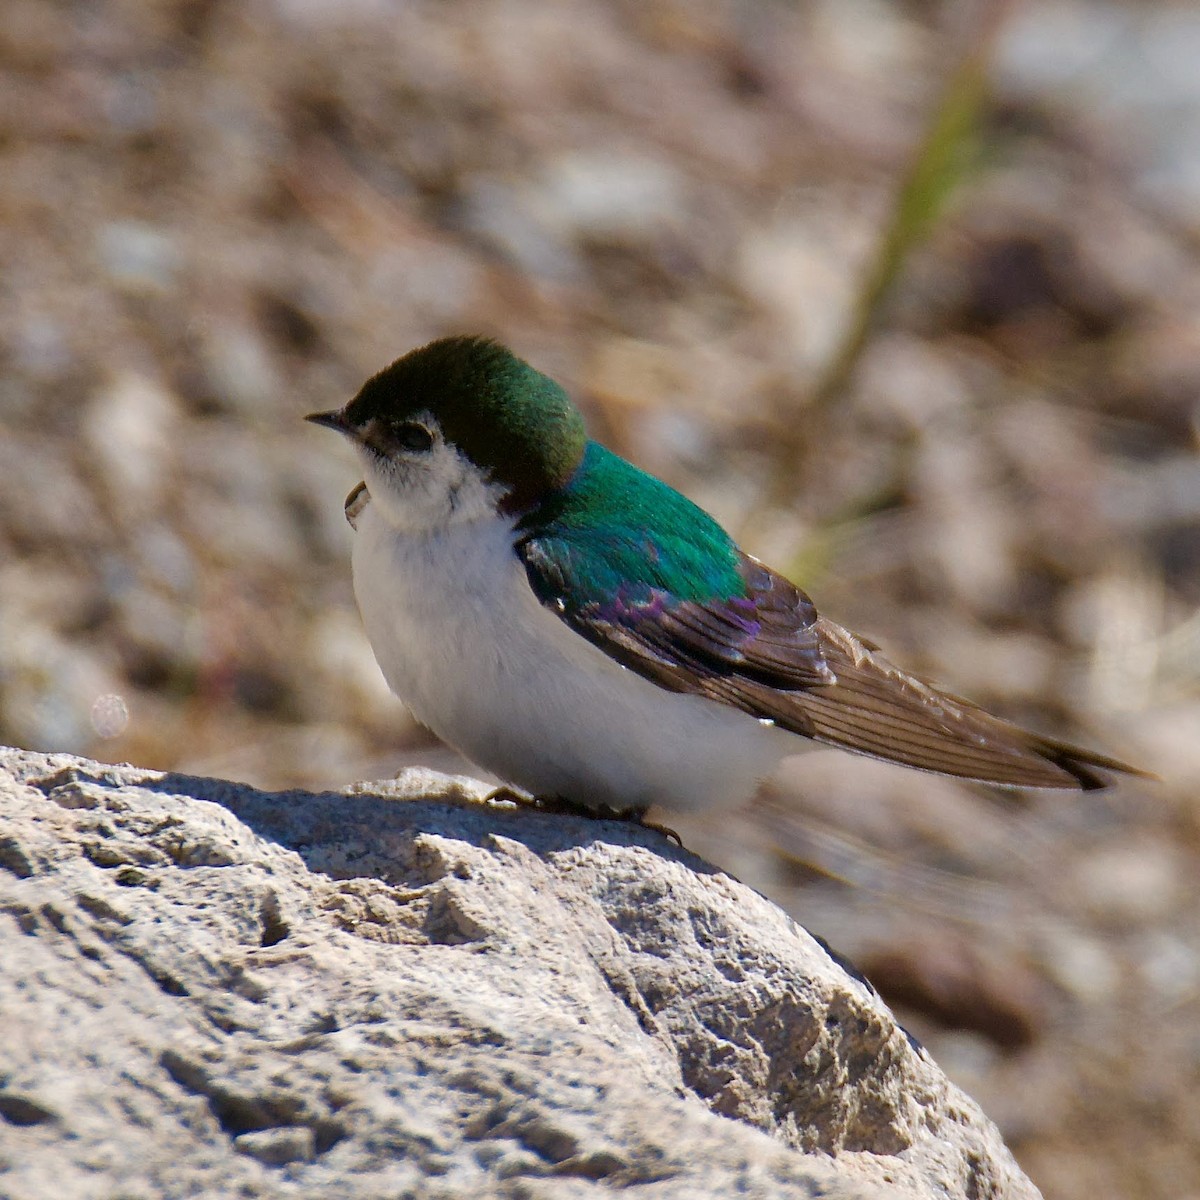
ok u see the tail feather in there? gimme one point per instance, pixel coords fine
(874, 708)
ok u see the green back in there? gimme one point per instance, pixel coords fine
(617, 535)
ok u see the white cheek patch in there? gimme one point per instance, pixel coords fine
(430, 491)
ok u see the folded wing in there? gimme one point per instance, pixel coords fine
(770, 654)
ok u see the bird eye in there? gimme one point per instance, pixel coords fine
(410, 436)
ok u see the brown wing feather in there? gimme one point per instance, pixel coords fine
(875, 708)
(770, 654)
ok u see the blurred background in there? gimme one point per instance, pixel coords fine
(907, 294)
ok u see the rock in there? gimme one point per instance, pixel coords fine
(402, 990)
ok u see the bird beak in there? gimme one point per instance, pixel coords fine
(333, 420)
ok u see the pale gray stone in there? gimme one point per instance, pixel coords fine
(402, 991)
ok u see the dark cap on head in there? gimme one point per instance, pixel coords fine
(503, 415)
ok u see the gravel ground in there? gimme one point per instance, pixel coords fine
(215, 218)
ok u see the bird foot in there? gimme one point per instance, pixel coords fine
(573, 808)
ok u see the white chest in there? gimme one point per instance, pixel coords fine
(461, 638)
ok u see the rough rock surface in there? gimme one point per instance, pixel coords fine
(402, 991)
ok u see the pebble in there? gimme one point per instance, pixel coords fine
(1079, 53)
(515, 220)
(40, 346)
(437, 279)
(128, 427)
(48, 688)
(1136, 881)
(344, 666)
(1170, 965)
(804, 270)
(138, 256)
(1079, 962)
(605, 193)
(241, 370)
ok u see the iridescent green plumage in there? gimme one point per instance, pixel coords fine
(619, 532)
